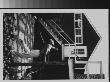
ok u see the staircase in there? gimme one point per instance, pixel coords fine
(57, 33)
(60, 36)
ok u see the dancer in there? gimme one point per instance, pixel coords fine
(49, 47)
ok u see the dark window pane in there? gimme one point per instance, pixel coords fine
(76, 25)
(78, 31)
(78, 39)
(80, 52)
(77, 16)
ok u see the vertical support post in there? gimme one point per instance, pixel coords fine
(87, 70)
(71, 68)
(62, 52)
(101, 74)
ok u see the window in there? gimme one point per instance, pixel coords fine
(81, 51)
(78, 31)
(78, 40)
(78, 51)
(77, 16)
(77, 24)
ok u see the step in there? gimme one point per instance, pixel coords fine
(79, 65)
(79, 71)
